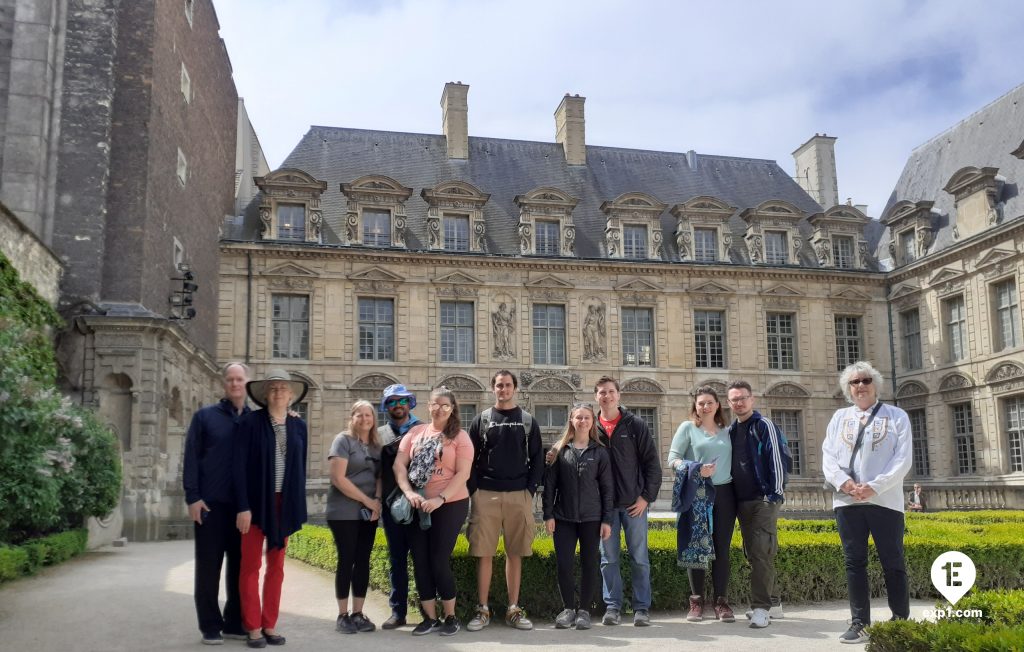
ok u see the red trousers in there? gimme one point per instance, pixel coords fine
(253, 616)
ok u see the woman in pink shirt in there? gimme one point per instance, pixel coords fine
(433, 464)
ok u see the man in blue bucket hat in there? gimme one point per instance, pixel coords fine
(398, 402)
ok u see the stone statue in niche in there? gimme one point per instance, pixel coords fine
(594, 333)
(503, 320)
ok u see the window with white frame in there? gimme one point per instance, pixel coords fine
(776, 250)
(705, 245)
(1015, 432)
(910, 336)
(547, 238)
(963, 439)
(634, 241)
(907, 247)
(848, 341)
(843, 251)
(376, 227)
(551, 417)
(457, 339)
(955, 314)
(376, 329)
(1007, 315)
(456, 232)
(290, 319)
(548, 334)
(919, 443)
(638, 337)
(467, 412)
(709, 338)
(781, 331)
(649, 416)
(791, 422)
(291, 222)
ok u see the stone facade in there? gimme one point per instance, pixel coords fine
(35, 262)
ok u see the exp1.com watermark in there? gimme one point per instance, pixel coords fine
(953, 574)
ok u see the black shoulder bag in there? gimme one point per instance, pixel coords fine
(856, 447)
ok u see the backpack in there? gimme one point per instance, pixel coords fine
(485, 421)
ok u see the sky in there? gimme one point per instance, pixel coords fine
(751, 79)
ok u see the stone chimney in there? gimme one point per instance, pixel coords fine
(816, 169)
(455, 119)
(570, 131)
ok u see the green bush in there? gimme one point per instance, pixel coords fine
(30, 556)
(997, 607)
(13, 562)
(923, 636)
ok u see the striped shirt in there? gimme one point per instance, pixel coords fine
(281, 435)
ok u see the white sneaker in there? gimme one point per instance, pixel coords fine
(775, 612)
(481, 619)
(760, 619)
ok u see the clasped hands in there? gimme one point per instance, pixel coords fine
(422, 503)
(860, 492)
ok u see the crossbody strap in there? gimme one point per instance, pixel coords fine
(860, 439)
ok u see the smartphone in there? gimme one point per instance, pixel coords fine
(365, 514)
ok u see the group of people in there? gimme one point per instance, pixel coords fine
(244, 480)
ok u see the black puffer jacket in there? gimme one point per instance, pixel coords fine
(579, 492)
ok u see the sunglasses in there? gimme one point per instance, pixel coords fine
(397, 401)
(861, 381)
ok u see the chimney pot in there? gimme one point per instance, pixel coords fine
(455, 119)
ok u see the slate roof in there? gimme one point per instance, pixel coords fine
(984, 139)
(506, 168)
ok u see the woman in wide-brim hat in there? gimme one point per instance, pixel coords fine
(270, 489)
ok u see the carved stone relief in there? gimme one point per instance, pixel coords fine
(530, 377)
(594, 332)
(373, 381)
(503, 321)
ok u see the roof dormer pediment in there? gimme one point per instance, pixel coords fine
(906, 210)
(376, 185)
(970, 179)
(289, 269)
(703, 206)
(549, 281)
(637, 285)
(634, 202)
(457, 278)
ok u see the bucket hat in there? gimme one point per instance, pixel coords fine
(397, 391)
(257, 389)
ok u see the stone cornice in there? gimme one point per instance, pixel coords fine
(155, 326)
(958, 251)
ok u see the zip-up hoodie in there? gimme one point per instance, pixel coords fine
(636, 467)
(763, 446)
(579, 492)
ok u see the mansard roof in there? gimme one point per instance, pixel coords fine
(985, 139)
(507, 168)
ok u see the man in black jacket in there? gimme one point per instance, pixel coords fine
(507, 468)
(636, 471)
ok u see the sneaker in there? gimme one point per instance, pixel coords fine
(641, 618)
(481, 619)
(724, 612)
(362, 623)
(775, 612)
(451, 626)
(696, 613)
(428, 626)
(566, 619)
(611, 616)
(759, 618)
(345, 625)
(393, 622)
(239, 635)
(516, 618)
(582, 619)
(855, 634)
(213, 638)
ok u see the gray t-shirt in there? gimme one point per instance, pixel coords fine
(363, 470)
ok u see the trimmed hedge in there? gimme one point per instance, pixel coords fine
(29, 557)
(809, 563)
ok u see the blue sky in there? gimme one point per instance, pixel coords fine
(753, 79)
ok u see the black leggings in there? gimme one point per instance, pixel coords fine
(432, 550)
(723, 521)
(566, 535)
(354, 541)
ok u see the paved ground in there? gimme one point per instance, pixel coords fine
(140, 598)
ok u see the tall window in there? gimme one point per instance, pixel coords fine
(634, 241)
(456, 233)
(791, 423)
(919, 440)
(956, 327)
(775, 250)
(551, 417)
(457, 340)
(847, 341)
(649, 416)
(781, 341)
(1015, 432)
(842, 251)
(376, 329)
(709, 339)
(376, 227)
(467, 412)
(1007, 316)
(291, 222)
(547, 238)
(638, 336)
(705, 245)
(910, 329)
(291, 326)
(548, 334)
(906, 247)
(963, 439)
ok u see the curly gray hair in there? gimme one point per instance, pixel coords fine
(859, 368)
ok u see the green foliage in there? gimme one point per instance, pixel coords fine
(60, 464)
(997, 607)
(923, 636)
(30, 556)
(13, 563)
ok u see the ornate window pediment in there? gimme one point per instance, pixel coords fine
(948, 279)
(633, 226)
(702, 229)
(955, 381)
(850, 294)
(461, 383)
(976, 193)
(375, 211)
(1005, 372)
(642, 386)
(375, 382)
(545, 223)
(995, 261)
(787, 390)
(772, 236)
(910, 230)
(455, 217)
(290, 206)
(911, 388)
(838, 239)
(377, 280)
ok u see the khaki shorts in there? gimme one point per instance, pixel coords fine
(507, 512)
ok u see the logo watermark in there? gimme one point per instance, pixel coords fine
(953, 574)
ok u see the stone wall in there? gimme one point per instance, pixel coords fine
(34, 261)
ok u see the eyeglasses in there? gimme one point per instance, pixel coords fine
(396, 401)
(740, 399)
(861, 381)
(440, 406)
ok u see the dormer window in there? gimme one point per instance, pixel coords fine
(548, 238)
(702, 229)
(910, 230)
(705, 245)
(455, 217)
(633, 226)
(838, 238)
(776, 249)
(545, 223)
(290, 206)
(375, 214)
(908, 241)
(634, 241)
(773, 236)
(976, 192)
(456, 233)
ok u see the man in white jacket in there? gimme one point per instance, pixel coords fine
(866, 455)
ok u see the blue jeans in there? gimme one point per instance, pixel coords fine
(636, 544)
(399, 541)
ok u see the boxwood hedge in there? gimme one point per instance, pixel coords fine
(30, 556)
